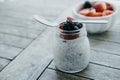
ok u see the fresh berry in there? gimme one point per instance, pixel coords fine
(69, 25)
(87, 4)
(97, 9)
(79, 25)
(97, 14)
(100, 6)
(107, 12)
(84, 11)
(70, 18)
(109, 7)
(94, 14)
(76, 28)
(61, 26)
(90, 13)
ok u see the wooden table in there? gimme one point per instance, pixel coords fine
(32, 58)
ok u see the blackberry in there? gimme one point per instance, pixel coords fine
(87, 4)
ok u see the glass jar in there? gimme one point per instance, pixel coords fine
(72, 50)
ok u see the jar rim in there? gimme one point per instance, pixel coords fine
(72, 31)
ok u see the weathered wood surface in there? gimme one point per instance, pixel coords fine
(15, 41)
(17, 28)
(3, 63)
(105, 46)
(9, 52)
(19, 31)
(32, 61)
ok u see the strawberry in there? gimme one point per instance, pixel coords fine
(90, 14)
(84, 11)
(70, 18)
(94, 14)
(100, 6)
(109, 6)
(107, 12)
(97, 14)
(61, 26)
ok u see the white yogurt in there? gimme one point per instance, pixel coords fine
(72, 55)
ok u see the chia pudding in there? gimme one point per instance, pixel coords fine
(72, 47)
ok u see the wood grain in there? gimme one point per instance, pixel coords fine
(105, 46)
(106, 59)
(9, 52)
(15, 41)
(31, 62)
(110, 36)
(3, 63)
(19, 31)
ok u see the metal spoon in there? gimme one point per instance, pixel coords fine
(53, 24)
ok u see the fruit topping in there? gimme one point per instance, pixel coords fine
(84, 12)
(79, 25)
(69, 25)
(100, 6)
(70, 18)
(96, 9)
(109, 7)
(87, 4)
(69, 30)
(107, 12)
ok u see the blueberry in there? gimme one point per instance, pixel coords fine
(80, 25)
(65, 28)
(76, 27)
(69, 23)
(87, 4)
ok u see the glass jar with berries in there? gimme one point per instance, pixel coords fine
(72, 49)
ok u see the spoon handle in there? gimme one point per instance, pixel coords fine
(53, 24)
(44, 21)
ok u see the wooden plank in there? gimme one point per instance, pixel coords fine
(36, 8)
(97, 72)
(24, 21)
(56, 75)
(101, 73)
(19, 31)
(105, 46)
(14, 40)
(32, 61)
(8, 51)
(107, 36)
(3, 63)
(106, 59)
